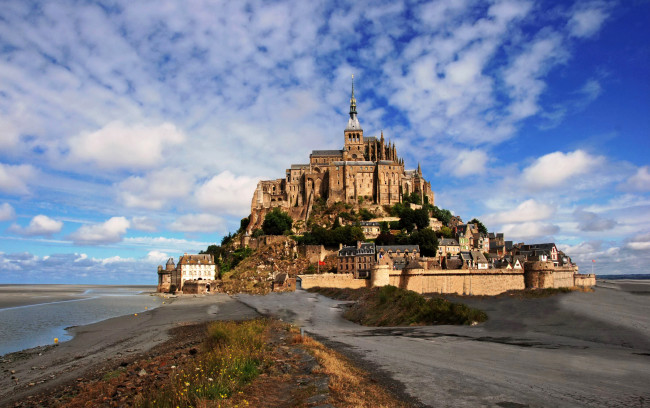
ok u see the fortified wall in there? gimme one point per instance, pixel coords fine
(476, 282)
(333, 280)
(543, 274)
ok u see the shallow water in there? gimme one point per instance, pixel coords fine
(31, 325)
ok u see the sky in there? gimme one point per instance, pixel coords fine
(131, 132)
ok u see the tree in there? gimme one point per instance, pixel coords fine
(442, 215)
(427, 240)
(445, 232)
(243, 224)
(481, 227)
(385, 238)
(407, 220)
(421, 218)
(276, 222)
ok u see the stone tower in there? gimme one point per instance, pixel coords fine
(353, 134)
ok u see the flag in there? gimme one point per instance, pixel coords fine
(593, 260)
(321, 262)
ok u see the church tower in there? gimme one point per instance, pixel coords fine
(353, 134)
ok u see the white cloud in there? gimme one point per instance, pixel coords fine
(586, 22)
(523, 76)
(199, 223)
(142, 223)
(590, 221)
(108, 232)
(39, 225)
(529, 210)
(465, 163)
(529, 230)
(639, 242)
(640, 181)
(117, 145)
(227, 193)
(8, 133)
(14, 178)
(7, 212)
(153, 191)
(156, 256)
(555, 168)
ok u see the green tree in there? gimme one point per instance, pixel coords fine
(421, 218)
(258, 233)
(481, 227)
(384, 226)
(407, 220)
(385, 238)
(243, 224)
(442, 215)
(445, 232)
(276, 222)
(427, 240)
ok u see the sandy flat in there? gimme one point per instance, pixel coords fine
(569, 350)
(110, 339)
(24, 295)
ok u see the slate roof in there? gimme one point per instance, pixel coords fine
(370, 139)
(204, 259)
(478, 257)
(448, 241)
(299, 166)
(326, 152)
(401, 248)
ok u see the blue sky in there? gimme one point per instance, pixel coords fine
(134, 131)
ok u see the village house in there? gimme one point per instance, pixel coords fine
(192, 274)
(448, 246)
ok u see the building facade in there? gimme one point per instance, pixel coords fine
(192, 274)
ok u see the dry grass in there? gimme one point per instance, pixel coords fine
(349, 385)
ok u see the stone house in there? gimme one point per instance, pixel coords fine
(448, 246)
(371, 229)
(193, 274)
(357, 260)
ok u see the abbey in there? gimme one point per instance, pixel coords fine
(367, 170)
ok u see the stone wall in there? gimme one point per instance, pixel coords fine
(462, 281)
(333, 280)
(199, 287)
(586, 280)
(543, 274)
(315, 253)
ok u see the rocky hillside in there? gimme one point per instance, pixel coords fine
(255, 274)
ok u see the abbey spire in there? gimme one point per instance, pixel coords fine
(353, 122)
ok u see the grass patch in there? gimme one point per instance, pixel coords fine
(350, 386)
(392, 306)
(233, 355)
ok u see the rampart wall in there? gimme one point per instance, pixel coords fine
(462, 281)
(333, 280)
(587, 280)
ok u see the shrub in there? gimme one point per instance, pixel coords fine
(277, 222)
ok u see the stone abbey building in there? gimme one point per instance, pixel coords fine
(366, 168)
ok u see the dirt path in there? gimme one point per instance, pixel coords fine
(43, 369)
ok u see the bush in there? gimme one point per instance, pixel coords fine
(392, 306)
(258, 233)
(277, 222)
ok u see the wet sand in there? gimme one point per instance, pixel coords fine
(25, 295)
(570, 350)
(46, 368)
